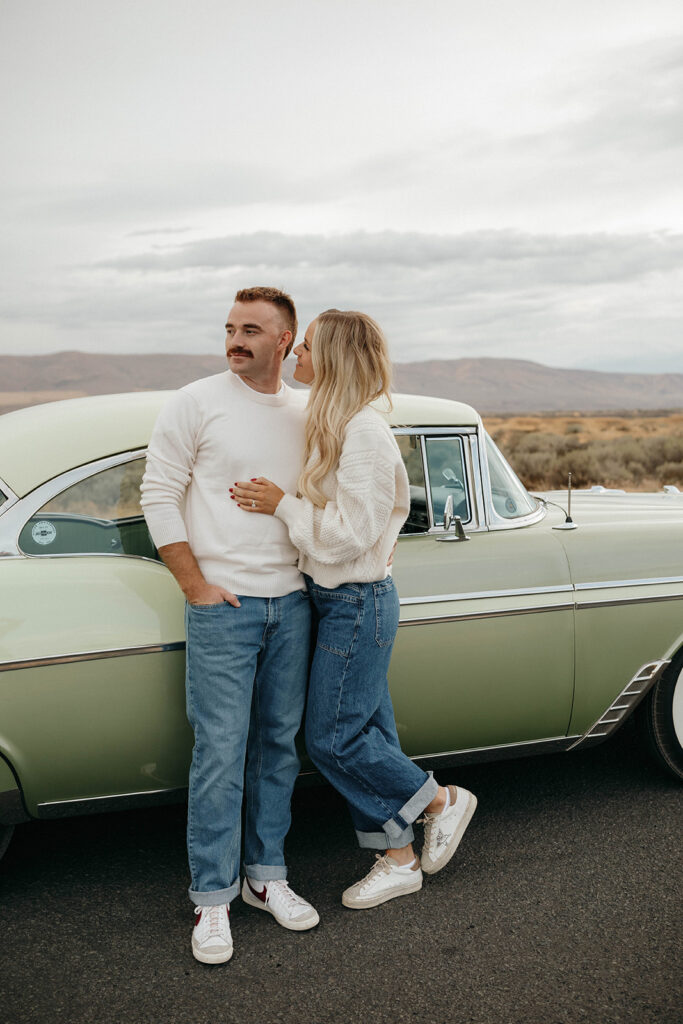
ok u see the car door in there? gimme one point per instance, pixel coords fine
(484, 656)
(91, 645)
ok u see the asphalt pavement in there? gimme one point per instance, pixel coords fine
(562, 905)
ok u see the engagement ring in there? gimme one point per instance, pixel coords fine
(253, 504)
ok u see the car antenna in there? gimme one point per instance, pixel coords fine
(569, 523)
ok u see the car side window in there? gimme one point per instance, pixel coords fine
(446, 468)
(411, 451)
(510, 499)
(98, 515)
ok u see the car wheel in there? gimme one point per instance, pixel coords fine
(5, 836)
(661, 718)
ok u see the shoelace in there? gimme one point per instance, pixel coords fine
(212, 920)
(431, 830)
(381, 866)
(278, 887)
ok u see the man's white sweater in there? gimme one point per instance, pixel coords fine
(210, 434)
(368, 500)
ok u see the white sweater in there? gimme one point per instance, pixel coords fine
(350, 540)
(208, 435)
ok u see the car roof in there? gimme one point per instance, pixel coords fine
(42, 441)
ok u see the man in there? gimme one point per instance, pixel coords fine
(247, 617)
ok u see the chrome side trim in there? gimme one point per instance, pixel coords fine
(477, 755)
(69, 659)
(309, 776)
(627, 701)
(563, 588)
(610, 584)
(104, 804)
(628, 600)
(496, 614)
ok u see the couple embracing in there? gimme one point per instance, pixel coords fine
(275, 508)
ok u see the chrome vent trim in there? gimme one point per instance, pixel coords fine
(627, 701)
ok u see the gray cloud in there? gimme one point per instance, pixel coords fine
(479, 261)
(579, 300)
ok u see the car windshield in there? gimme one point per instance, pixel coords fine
(510, 499)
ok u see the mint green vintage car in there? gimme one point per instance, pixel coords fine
(527, 634)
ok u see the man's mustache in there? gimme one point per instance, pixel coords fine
(237, 350)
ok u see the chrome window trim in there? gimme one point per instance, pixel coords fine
(437, 431)
(465, 435)
(428, 490)
(70, 659)
(12, 523)
(495, 521)
(479, 502)
(452, 435)
(10, 497)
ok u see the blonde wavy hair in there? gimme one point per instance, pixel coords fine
(350, 358)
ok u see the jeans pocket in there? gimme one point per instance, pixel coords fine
(386, 611)
(339, 616)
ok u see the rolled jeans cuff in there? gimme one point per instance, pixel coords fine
(385, 841)
(265, 872)
(215, 898)
(398, 831)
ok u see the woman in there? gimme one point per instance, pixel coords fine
(354, 497)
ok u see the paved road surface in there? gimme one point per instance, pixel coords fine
(562, 905)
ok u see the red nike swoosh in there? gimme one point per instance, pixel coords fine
(259, 895)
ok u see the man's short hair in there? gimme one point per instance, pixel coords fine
(280, 299)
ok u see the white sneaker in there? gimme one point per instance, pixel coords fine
(288, 909)
(211, 938)
(386, 880)
(444, 831)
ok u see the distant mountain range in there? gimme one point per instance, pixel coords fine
(490, 385)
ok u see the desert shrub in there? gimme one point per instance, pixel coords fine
(542, 460)
(670, 473)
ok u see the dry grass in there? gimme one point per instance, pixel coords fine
(636, 452)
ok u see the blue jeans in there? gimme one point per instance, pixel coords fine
(246, 685)
(350, 728)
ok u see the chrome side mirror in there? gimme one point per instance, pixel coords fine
(448, 518)
(448, 512)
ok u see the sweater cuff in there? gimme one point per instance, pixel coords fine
(167, 531)
(289, 509)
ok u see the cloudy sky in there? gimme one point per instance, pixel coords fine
(489, 179)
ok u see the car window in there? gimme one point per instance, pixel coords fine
(446, 468)
(98, 515)
(411, 451)
(510, 499)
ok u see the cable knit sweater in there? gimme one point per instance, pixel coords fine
(368, 500)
